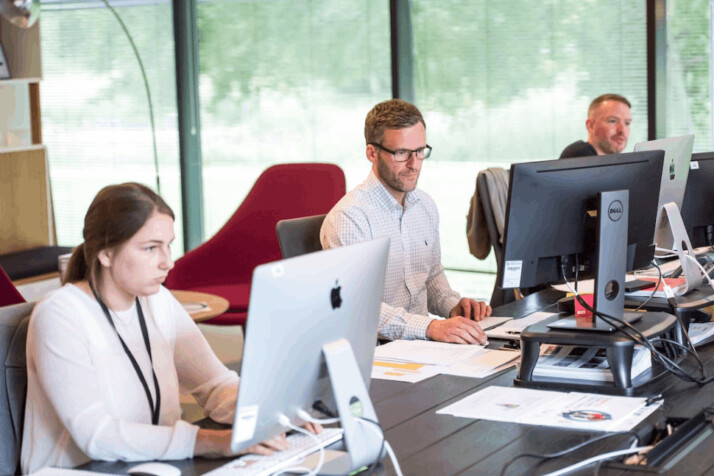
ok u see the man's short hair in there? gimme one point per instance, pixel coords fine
(607, 97)
(392, 114)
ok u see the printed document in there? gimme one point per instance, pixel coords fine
(587, 411)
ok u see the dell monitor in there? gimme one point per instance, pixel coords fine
(675, 170)
(552, 218)
(310, 336)
(698, 204)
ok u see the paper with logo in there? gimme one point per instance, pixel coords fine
(549, 408)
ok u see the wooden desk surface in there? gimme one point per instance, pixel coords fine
(201, 306)
(430, 444)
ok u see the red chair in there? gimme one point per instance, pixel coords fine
(8, 292)
(224, 264)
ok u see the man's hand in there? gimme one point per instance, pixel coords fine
(472, 309)
(457, 330)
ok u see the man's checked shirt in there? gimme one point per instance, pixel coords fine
(415, 283)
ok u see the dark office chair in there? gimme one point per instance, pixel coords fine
(13, 388)
(299, 236)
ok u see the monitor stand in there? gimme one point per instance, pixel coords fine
(610, 267)
(363, 444)
(609, 299)
(682, 245)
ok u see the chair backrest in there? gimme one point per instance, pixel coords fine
(499, 296)
(248, 238)
(299, 236)
(13, 388)
(8, 292)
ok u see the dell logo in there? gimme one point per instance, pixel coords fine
(335, 298)
(614, 211)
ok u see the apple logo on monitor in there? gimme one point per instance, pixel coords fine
(671, 170)
(335, 298)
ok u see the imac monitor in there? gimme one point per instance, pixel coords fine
(677, 155)
(297, 307)
(550, 222)
(698, 203)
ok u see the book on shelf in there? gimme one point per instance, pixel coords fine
(673, 284)
(585, 363)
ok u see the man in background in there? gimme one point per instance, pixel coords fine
(608, 126)
(388, 204)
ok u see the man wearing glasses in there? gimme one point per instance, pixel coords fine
(388, 204)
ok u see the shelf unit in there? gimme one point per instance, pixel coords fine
(26, 218)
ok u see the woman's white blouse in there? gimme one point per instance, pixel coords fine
(84, 399)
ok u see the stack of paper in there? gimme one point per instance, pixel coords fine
(585, 363)
(587, 411)
(701, 333)
(415, 360)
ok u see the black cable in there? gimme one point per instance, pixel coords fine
(641, 339)
(567, 451)
(654, 291)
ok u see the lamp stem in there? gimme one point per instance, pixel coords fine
(148, 91)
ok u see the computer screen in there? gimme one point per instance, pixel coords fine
(698, 204)
(550, 214)
(298, 306)
(675, 170)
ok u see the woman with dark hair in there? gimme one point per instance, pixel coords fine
(108, 352)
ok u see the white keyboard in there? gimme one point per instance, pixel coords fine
(301, 446)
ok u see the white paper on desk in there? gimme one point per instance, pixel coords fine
(402, 371)
(586, 411)
(548, 408)
(483, 364)
(492, 321)
(511, 330)
(636, 417)
(425, 352)
(501, 403)
(701, 332)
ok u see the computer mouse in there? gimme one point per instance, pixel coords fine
(154, 469)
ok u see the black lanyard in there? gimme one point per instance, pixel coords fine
(155, 410)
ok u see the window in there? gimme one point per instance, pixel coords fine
(502, 82)
(688, 78)
(95, 116)
(286, 81)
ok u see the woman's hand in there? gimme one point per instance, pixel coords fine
(217, 443)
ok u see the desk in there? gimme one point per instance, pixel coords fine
(429, 444)
(201, 306)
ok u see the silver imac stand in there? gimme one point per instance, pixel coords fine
(682, 245)
(363, 445)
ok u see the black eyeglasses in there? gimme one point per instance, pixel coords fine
(402, 155)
